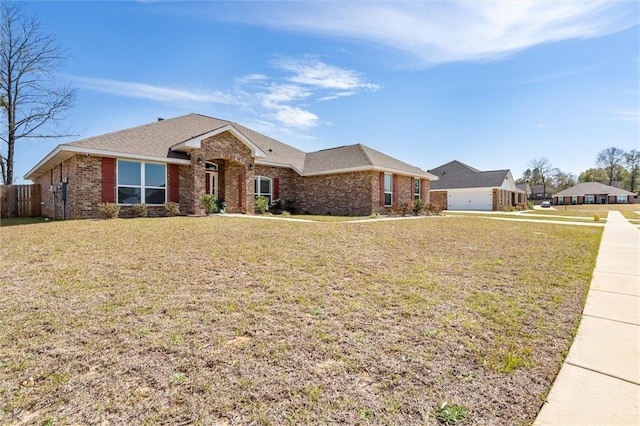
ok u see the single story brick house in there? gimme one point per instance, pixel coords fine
(462, 187)
(182, 158)
(593, 193)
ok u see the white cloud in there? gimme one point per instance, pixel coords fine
(147, 91)
(630, 116)
(438, 32)
(250, 78)
(554, 76)
(277, 94)
(296, 117)
(279, 98)
(287, 98)
(311, 71)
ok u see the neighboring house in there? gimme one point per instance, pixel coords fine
(593, 193)
(462, 187)
(538, 193)
(183, 158)
(524, 187)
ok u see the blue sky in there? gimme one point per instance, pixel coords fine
(491, 84)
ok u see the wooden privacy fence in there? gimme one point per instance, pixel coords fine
(20, 200)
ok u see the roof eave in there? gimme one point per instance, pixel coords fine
(64, 152)
(263, 162)
(371, 168)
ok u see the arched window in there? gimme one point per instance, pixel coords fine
(262, 187)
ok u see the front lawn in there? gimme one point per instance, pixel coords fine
(224, 320)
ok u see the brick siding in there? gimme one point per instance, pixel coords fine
(337, 194)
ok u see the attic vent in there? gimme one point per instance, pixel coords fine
(270, 150)
(160, 118)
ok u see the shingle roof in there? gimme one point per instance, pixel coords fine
(356, 156)
(157, 139)
(459, 175)
(591, 188)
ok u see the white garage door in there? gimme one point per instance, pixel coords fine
(470, 201)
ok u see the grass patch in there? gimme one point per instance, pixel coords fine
(450, 414)
(530, 215)
(14, 221)
(561, 211)
(632, 215)
(204, 321)
(328, 218)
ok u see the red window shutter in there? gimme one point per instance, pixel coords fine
(174, 183)
(240, 190)
(276, 188)
(108, 180)
(382, 189)
(395, 190)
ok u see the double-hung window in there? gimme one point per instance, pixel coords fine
(388, 190)
(416, 188)
(262, 187)
(140, 182)
(621, 199)
(589, 199)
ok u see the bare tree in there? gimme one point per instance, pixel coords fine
(563, 180)
(542, 172)
(30, 100)
(610, 159)
(632, 160)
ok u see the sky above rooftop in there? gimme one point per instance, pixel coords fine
(491, 84)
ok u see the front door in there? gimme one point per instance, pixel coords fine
(211, 179)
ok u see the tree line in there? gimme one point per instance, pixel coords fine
(614, 167)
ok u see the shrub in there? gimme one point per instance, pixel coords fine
(262, 204)
(530, 205)
(209, 203)
(434, 208)
(221, 206)
(172, 209)
(276, 207)
(139, 210)
(418, 206)
(404, 208)
(109, 210)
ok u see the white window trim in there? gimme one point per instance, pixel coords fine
(589, 199)
(621, 199)
(390, 190)
(417, 195)
(142, 186)
(258, 194)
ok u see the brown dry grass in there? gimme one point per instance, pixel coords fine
(237, 321)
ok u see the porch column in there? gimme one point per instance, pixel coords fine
(197, 183)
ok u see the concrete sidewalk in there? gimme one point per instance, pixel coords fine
(599, 382)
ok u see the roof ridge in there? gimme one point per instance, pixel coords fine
(473, 169)
(139, 126)
(364, 152)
